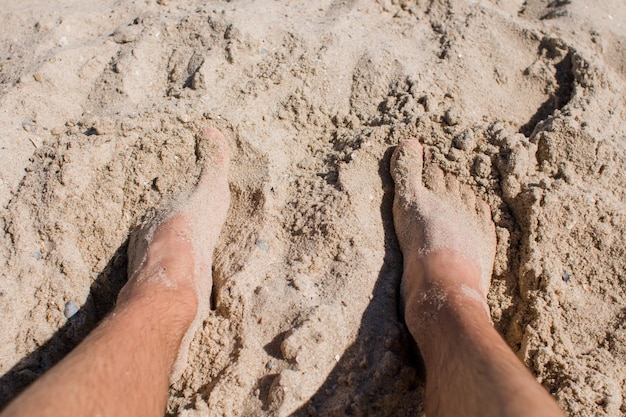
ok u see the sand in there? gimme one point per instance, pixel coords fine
(523, 100)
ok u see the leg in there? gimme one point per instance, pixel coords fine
(122, 368)
(448, 242)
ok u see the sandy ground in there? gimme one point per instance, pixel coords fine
(100, 103)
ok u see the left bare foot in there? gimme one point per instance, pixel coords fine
(170, 257)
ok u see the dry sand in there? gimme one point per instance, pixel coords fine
(523, 100)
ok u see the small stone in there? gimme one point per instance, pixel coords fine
(183, 118)
(263, 245)
(37, 77)
(38, 255)
(70, 309)
(566, 276)
(27, 126)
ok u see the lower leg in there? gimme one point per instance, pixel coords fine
(120, 369)
(448, 242)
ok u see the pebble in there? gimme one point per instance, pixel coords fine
(27, 126)
(38, 255)
(263, 245)
(70, 309)
(566, 276)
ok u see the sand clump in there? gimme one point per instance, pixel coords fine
(521, 101)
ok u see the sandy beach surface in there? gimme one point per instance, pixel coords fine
(525, 101)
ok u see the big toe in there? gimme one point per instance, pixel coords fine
(213, 150)
(214, 155)
(406, 166)
(206, 207)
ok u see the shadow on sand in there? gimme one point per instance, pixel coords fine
(100, 301)
(381, 373)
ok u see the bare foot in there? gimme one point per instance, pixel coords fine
(448, 242)
(446, 236)
(170, 255)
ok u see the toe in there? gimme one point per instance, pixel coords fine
(468, 197)
(406, 166)
(434, 179)
(213, 148)
(453, 186)
(484, 214)
(214, 156)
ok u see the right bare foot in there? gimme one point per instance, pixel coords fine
(448, 242)
(446, 236)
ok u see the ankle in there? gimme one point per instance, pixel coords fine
(441, 269)
(442, 294)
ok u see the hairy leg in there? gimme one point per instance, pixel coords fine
(448, 242)
(123, 367)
